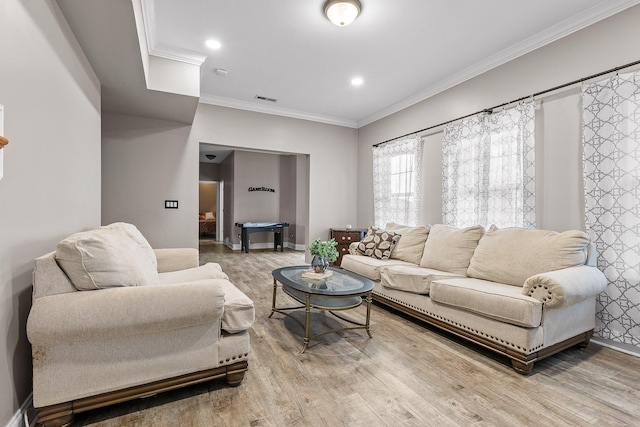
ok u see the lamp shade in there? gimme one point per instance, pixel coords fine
(342, 12)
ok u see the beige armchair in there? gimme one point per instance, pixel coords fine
(142, 330)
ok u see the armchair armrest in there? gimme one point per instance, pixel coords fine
(566, 286)
(173, 259)
(124, 311)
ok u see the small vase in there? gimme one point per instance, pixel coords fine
(319, 264)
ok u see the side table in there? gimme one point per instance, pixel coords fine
(344, 237)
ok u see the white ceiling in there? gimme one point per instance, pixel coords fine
(405, 50)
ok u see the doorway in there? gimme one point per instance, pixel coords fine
(210, 210)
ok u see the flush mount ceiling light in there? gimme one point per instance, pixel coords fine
(210, 156)
(213, 44)
(342, 12)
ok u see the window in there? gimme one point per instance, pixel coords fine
(488, 169)
(396, 182)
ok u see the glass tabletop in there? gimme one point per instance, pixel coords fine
(341, 282)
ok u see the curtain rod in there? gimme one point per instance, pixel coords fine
(490, 110)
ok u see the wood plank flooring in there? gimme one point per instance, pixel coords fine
(406, 375)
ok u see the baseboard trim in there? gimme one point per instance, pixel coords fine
(19, 418)
(267, 245)
(623, 348)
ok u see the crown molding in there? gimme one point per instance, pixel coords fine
(149, 22)
(186, 57)
(277, 111)
(554, 33)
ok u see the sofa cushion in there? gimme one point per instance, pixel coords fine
(105, 258)
(411, 278)
(411, 244)
(378, 243)
(367, 266)
(210, 270)
(512, 255)
(450, 249)
(495, 300)
(239, 312)
(137, 237)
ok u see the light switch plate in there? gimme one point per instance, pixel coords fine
(171, 204)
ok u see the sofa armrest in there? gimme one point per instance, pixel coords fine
(173, 259)
(120, 312)
(566, 286)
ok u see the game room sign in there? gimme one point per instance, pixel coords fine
(268, 190)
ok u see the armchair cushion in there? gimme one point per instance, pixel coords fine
(239, 312)
(105, 258)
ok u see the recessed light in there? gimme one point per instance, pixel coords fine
(213, 44)
(357, 81)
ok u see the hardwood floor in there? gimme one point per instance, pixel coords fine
(407, 374)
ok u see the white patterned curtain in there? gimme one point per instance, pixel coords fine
(489, 169)
(611, 137)
(396, 182)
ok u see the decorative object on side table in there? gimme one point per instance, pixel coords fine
(323, 253)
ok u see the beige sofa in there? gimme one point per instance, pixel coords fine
(525, 294)
(113, 320)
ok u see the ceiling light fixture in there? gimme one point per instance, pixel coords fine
(213, 44)
(210, 156)
(342, 12)
(357, 81)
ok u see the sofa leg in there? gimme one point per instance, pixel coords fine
(235, 373)
(235, 379)
(521, 368)
(584, 343)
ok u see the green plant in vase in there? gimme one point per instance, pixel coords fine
(324, 252)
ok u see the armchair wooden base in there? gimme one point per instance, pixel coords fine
(62, 414)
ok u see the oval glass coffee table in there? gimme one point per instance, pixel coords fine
(343, 290)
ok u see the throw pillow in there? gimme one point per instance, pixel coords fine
(512, 255)
(105, 258)
(133, 232)
(450, 249)
(378, 243)
(411, 244)
(209, 215)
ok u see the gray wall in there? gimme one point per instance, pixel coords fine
(51, 184)
(332, 152)
(144, 163)
(207, 196)
(254, 169)
(209, 171)
(612, 42)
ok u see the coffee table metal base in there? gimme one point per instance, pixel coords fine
(328, 303)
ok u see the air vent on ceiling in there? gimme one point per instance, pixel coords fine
(264, 98)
